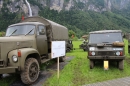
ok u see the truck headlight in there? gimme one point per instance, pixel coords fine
(117, 53)
(15, 58)
(93, 53)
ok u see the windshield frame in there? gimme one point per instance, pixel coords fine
(18, 28)
(106, 42)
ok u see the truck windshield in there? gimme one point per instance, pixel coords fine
(20, 30)
(105, 38)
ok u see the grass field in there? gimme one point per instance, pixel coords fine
(77, 72)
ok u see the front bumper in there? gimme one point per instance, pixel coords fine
(8, 70)
(106, 57)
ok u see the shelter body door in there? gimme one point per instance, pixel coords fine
(42, 45)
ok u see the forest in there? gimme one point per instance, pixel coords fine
(78, 22)
(82, 23)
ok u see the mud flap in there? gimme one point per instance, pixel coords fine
(106, 64)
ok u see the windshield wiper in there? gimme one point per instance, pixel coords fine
(29, 32)
(13, 32)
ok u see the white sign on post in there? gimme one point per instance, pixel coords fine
(58, 49)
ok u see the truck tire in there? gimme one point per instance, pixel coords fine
(31, 71)
(84, 49)
(68, 50)
(121, 64)
(1, 75)
(117, 64)
(91, 64)
(62, 59)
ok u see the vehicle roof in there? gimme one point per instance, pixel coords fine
(43, 20)
(105, 31)
(35, 23)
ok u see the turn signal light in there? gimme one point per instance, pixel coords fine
(90, 53)
(121, 53)
(19, 53)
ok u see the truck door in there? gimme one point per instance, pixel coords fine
(42, 40)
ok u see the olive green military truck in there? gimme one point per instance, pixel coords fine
(27, 45)
(106, 45)
(69, 46)
(84, 46)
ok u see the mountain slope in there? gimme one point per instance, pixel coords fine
(84, 5)
(84, 22)
(80, 16)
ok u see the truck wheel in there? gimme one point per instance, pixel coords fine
(121, 64)
(91, 64)
(68, 50)
(117, 64)
(1, 75)
(84, 49)
(62, 59)
(31, 71)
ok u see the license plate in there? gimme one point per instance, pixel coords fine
(106, 65)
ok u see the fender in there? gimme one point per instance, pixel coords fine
(21, 60)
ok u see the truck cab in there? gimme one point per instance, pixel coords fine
(30, 31)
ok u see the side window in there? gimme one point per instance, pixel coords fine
(41, 30)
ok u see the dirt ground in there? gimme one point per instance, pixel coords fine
(44, 75)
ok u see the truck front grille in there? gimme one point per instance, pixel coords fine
(1, 63)
(106, 53)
